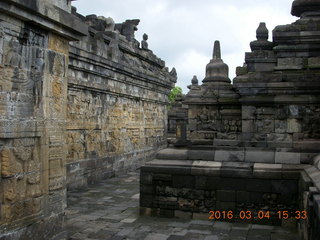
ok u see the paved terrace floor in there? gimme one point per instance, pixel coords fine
(110, 210)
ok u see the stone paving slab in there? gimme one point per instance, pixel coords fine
(109, 210)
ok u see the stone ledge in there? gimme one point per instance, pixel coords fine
(238, 154)
(230, 169)
(47, 16)
(170, 153)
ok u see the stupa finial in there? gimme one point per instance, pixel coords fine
(216, 50)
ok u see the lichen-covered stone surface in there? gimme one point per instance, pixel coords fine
(33, 84)
(70, 113)
(116, 105)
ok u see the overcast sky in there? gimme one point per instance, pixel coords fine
(182, 32)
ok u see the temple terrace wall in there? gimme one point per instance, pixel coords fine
(117, 113)
(70, 113)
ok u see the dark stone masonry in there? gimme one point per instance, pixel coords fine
(250, 146)
(82, 101)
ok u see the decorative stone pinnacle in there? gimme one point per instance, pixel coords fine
(194, 80)
(216, 69)
(262, 32)
(262, 42)
(216, 50)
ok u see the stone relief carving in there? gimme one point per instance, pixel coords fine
(21, 161)
(208, 120)
(9, 166)
(14, 57)
(34, 168)
(36, 39)
(22, 148)
(37, 67)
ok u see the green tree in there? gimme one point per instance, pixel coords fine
(174, 93)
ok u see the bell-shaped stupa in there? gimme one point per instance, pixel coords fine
(217, 70)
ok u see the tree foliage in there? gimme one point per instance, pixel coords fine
(174, 93)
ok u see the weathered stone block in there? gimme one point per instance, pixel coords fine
(200, 182)
(293, 126)
(289, 63)
(147, 189)
(248, 112)
(225, 206)
(259, 156)
(147, 201)
(314, 62)
(201, 155)
(226, 196)
(264, 126)
(232, 184)
(166, 213)
(146, 177)
(242, 197)
(56, 168)
(213, 183)
(203, 171)
(284, 186)
(281, 126)
(256, 197)
(183, 181)
(224, 155)
(287, 158)
(258, 185)
(268, 171)
(10, 166)
(248, 126)
(172, 154)
(233, 173)
(182, 214)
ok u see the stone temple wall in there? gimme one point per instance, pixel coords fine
(116, 108)
(34, 43)
(70, 113)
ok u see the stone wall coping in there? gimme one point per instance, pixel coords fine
(46, 15)
(125, 46)
(112, 66)
(287, 156)
(232, 169)
(269, 99)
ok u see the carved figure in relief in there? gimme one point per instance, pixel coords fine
(14, 57)
(34, 168)
(36, 74)
(207, 120)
